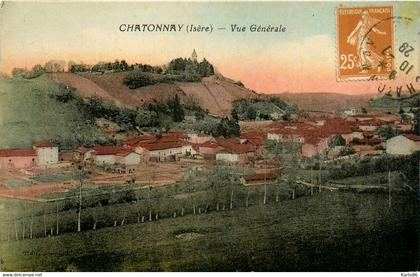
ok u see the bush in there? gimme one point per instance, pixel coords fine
(345, 151)
(139, 79)
(251, 109)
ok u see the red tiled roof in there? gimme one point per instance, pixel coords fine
(311, 132)
(17, 152)
(44, 143)
(82, 149)
(160, 145)
(259, 177)
(112, 150)
(255, 138)
(412, 137)
(233, 145)
(209, 144)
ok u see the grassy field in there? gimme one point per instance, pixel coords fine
(29, 114)
(326, 232)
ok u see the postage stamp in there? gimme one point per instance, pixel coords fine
(365, 38)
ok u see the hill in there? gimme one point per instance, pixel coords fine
(326, 102)
(29, 112)
(215, 93)
(394, 103)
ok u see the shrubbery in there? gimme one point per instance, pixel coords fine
(36, 71)
(138, 79)
(262, 109)
(408, 165)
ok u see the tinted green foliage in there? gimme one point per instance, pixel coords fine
(387, 131)
(39, 108)
(115, 66)
(408, 165)
(227, 128)
(187, 66)
(74, 68)
(262, 109)
(138, 79)
(347, 150)
(177, 111)
(36, 71)
(388, 101)
(336, 140)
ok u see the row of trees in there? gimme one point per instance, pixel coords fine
(38, 69)
(179, 69)
(190, 67)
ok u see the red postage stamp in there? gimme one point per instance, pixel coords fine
(365, 38)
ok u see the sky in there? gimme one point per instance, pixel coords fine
(302, 59)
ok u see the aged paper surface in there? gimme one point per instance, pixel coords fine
(209, 136)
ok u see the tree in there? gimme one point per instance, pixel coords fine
(336, 140)
(347, 150)
(54, 66)
(36, 71)
(205, 68)
(233, 128)
(177, 111)
(416, 123)
(145, 118)
(137, 79)
(19, 72)
(386, 132)
(227, 128)
(286, 154)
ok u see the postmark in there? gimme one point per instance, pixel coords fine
(365, 42)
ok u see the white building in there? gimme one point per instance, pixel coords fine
(128, 158)
(285, 137)
(350, 111)
(164, 151)
(228, 157)
(403, 145)
(123, 155)
(47, 153)
(105, 159)
(199, 138)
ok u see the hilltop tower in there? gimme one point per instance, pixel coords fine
(194, 56)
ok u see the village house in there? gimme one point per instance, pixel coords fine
(314, 134)
(83, 154)
(43, 153)
(209, 149)
(11, 159)
(66, 155)
(47, 153)
(123, 155)
(258, 179)
(162, 151)
(169, 146)
(403, 144)
(314, 146)
(233, 151)
(282, 137)
(349, 112)
(198, 138)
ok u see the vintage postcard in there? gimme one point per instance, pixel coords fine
(209, 136)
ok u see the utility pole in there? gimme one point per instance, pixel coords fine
(56, 218)
(319, 174)
(149, 200)
(265, 184)
(79, 227)
(389, 188)
(312, 180)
